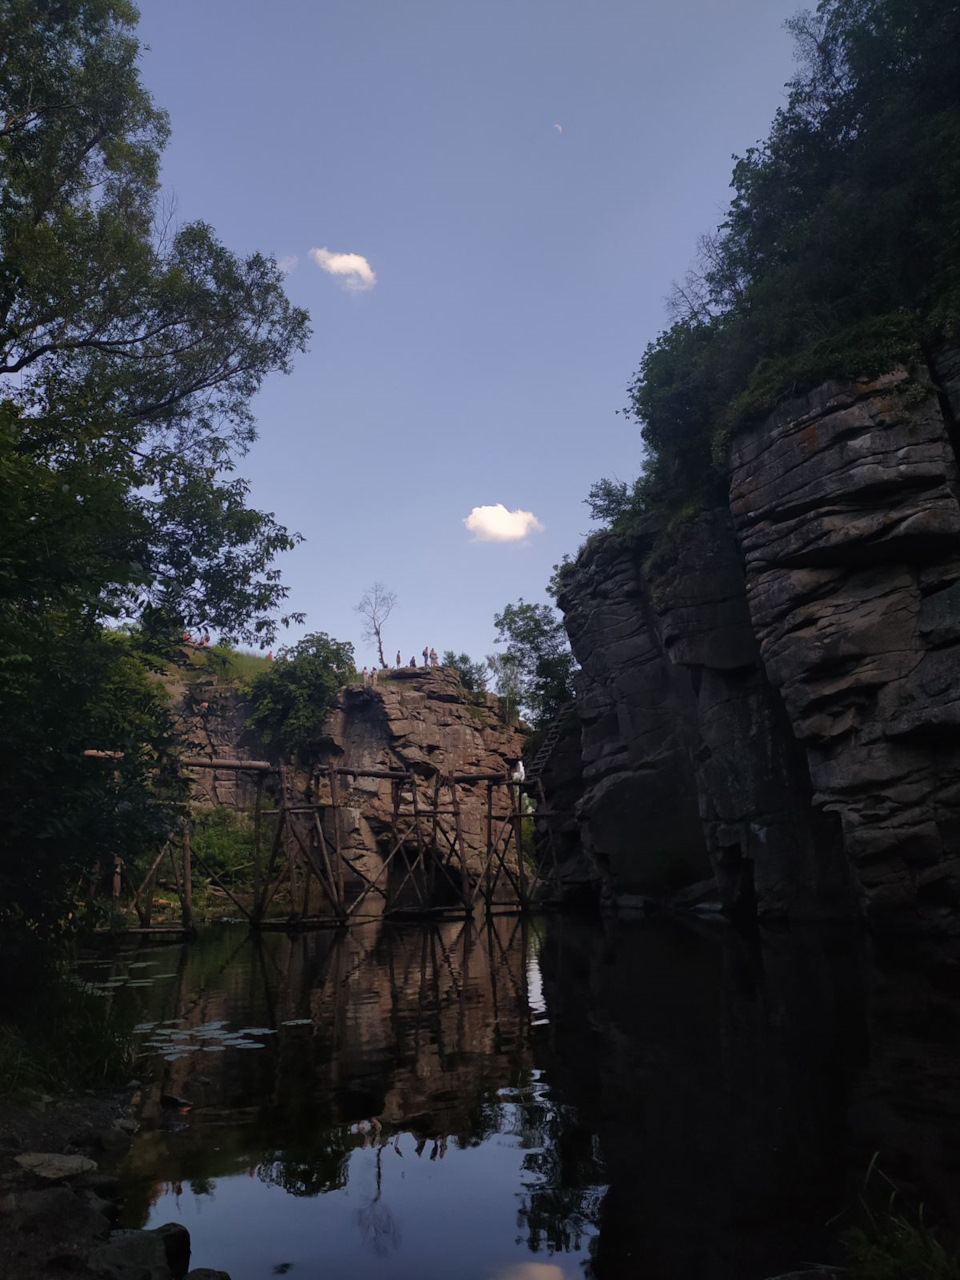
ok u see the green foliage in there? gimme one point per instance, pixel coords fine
(536, 666)
(65, 689)
(837, 257)
(224, 840)
(130, 352)
(62, 1038)
(473, 675)
(897, 1248)
(226, 665)
(291, 698)
(888, 1244)
(562, 574)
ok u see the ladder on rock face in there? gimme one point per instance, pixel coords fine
(550, 740)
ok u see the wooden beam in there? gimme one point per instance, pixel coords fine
(202, 762)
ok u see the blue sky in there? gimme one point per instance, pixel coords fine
(522, 179)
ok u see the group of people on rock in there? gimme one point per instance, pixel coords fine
(371, 675)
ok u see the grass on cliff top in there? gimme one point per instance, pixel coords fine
(228, 666)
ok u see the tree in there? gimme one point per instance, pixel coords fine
(506, 677)
(291, 698)
(473, 675)
(838, 252)
(130, 352)
(537, 658)
(375, 607)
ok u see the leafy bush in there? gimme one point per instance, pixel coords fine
(473, 675)
(224, 839)
(292, 696)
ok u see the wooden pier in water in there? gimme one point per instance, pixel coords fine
(426, 869)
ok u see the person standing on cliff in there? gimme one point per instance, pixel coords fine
(374, 675)
(426, 656)
(366, 675)
(399, 659)
(434, 660)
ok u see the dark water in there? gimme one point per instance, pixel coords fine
(529, 1101)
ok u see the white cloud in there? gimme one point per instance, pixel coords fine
(559, 128)
(352, 270)
(287, 264)
(497, 524)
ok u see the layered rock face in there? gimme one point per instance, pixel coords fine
(421, 721)
(688, 767)
(846, 507)
(775, 687)
(426, 723)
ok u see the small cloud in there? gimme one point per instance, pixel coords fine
(497, 524)
(559, 128)
(287, 264)
(352, 270)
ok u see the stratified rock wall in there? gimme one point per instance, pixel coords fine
(427, 723)
(790, 667)
(638, 813)
(846, 507)
(689, 766)
(421, 721)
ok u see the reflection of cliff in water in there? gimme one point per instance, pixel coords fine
(386, 1035)
(738, 1090)
(674, 1101)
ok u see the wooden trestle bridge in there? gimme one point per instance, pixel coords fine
(423, 865)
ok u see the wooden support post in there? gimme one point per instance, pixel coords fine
(146, 888)
(516, 801)
(256, 846)
(261, 900)
(461, 850)
(216, 879)
(333, 892)
(488, 892)
(338, 860)
(419, 864)
(186, 909)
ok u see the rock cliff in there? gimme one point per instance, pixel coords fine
(770, 692)
(426, 723)
(423, 722)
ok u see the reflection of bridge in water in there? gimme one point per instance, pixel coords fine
(409, 1041)
(425, 865)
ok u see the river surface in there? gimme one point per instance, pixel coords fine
(528, 1100)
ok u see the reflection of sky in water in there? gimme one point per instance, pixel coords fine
(452, 1216)
(279, 1164)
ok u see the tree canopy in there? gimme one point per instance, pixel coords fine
(130, 351)
(536, 664)
(473, 675)
(838, 253)
(292, 696)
